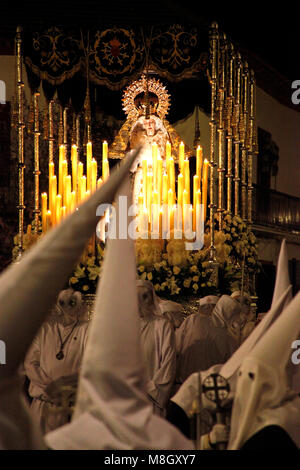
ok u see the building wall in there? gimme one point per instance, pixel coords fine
(284, 125)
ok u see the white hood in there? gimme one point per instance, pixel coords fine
(112, 411)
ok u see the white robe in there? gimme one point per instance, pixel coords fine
(200, 344)
(159, 352)
(42, 367)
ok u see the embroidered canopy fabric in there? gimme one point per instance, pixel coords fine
(116, 55)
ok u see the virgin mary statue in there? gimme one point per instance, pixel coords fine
(146, 103)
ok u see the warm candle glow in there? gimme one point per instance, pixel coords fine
(168, 151)
(58, 206)
(199, 161)
(52, 199)
(88, 165)
(205, 186)
(181, 156)
(187, 178)
(44, 212)
(94, 175)
(74, 160)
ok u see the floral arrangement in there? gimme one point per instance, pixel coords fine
(174, 272)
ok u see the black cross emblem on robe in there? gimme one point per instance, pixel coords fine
(216, 389)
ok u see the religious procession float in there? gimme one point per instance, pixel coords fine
(181, 194)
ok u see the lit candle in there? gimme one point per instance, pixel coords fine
(105, 170)
(52, 199)
(104, 150)
(82, 188)
(67, 192)
(73, 202)
(44, 212)
(79, 176)
(172, 176)
(165, 189)
(51, 173)
(88, 164)
(159, 179)
(168, 150)
(74, 166)
(197, 211)
(181, 156)
(154, 163)
(99, 182)
(199, 161)
(171, 209)
(58, 206)
(204, 186)
(60, 173)
(105, 164)
(64, 173)
(196, 187)
(149, 192)
(63, 212)
(94, 175)
(180, 183)
(187, 178)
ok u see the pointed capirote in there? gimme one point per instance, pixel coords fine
(282, 280)
(234, 362)
(112, 411)
(264, 394)
(28, 289)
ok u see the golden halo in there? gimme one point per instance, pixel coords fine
(140, 86)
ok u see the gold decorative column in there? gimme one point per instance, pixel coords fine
(237, 117)
(65, 127)
(229, 123)
(50, 133)
(214, 40)
(20, 127)
(36, 162)
(251, 144)
(221, 130)
(60, 127)
(244, 130)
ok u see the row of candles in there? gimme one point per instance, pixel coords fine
(68, 191)
(163, 206)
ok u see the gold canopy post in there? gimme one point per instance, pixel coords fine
(229, 123)
(244, 131)
(221, 131)
(237, 117)
(20, 127)
(214, 40)
(251, 145)
(36, 163)
(50, 133)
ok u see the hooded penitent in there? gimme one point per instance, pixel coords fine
(207, 304)
(282, 281)
(28, 291)
(112, 411)
(203, 341)
(264, 396)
